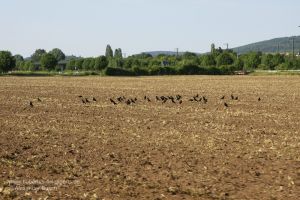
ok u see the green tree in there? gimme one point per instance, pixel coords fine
(92, 64)
(217, 51)
(239, 64)
(189, 55)
(115, 62)
(71, 64)
(18, 58)
(128, 62)
(109, 52)
(225, 58)
(252, 60)
(144, 56)
(88, 64)
(19, 61)
(29, 66)
(208, 60)
(191, 70)
(118, 54)
(79, 63)
(212, 48)
(58, 54)
(267, 61)
(290, 63)
(37, 55)
(7, 61)
(48, 61)
(20, 65)
(100, 63)
(277, 59)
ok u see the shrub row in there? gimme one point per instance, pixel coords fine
(158, 70)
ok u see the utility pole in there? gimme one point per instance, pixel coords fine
(226, 45)
(177, 52)
(293, 38)
(278, 48)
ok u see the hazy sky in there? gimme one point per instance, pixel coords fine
(85, 27)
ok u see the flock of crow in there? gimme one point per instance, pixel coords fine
(177, 99)
(85, 100)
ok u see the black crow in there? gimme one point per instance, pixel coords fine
(128, 102)
(178, 97)
(39, 99)
(86, 100)
(236, 98)
(180, 101)
(80, 96)
(120, 99)
(111, 100)
(132, 100)
(83, 101)
(148, 99)
(94, 99)
(157, 98)
(223, 97)
(259, 98)
(232, 97)
(30, 103)
(225, 104)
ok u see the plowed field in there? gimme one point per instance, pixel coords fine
(62, 148)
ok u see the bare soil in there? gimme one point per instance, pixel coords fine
(62, 148)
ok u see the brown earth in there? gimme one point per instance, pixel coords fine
(63, 149)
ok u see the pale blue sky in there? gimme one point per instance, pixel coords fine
(84, 27)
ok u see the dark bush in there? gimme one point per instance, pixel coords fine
(191, 70)
(169, 70)
(116, 71)
(213, 71)
(139, 71)
(228, 69)
(158, 70)
(154, 70)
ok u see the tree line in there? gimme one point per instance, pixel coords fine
(218, 61)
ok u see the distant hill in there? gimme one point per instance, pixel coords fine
(283, 44)
(170, 53)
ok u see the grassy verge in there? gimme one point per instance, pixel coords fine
(275, 72)
(132, 73)
(52, 73)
